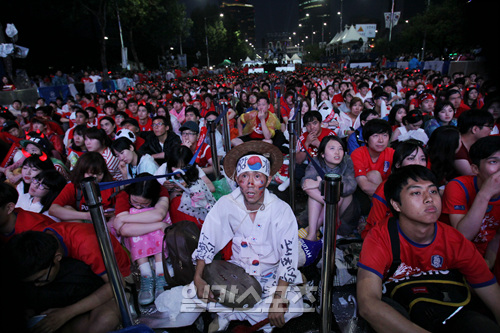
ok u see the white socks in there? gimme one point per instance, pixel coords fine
(145, 269)
(159, 268)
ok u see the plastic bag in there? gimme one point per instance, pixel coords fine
(11, 30)
(170, 301)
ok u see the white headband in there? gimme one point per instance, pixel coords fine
(253, 163)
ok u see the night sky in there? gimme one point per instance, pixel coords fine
(73, 47)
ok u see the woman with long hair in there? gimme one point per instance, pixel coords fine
(443, 145)
(444, 114)
(96, 140)
(43, 190)
(70, 203)
(331, 158)
(132, 162)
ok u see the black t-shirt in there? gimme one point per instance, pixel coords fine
(74, 281)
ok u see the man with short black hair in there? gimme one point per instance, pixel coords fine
(426, 248)
(372, 163)
(161, 142)
(471, 202)
(473, 125)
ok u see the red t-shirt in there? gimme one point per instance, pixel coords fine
(204, 156)
(79, 241)
(363, 162)
(147, 127)
(67, 197)
(26, 221)
(458, 197)
(337, 98)
(463, 107)
(285, 109)
(313, 150)
(449, 250)
(379, 211)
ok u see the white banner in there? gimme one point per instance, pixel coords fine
(395, 19)
(366, 30)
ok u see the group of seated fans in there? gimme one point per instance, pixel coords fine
(371, 127)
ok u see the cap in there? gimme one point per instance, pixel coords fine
(190, 125)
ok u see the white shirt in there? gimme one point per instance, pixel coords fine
(271, 240)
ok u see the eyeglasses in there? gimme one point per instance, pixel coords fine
(188, 133)
(38, 184)
(46, 279)
(158, 124)
(489, 126)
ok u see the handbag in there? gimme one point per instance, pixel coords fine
(231, 285)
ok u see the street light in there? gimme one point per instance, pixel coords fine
(206, 42)
(323, 32)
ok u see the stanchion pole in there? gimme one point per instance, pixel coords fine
(211, 125)
(92, 196)
(332, 190)
(291, 166)
(225, 131)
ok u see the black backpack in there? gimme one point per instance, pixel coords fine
(179, 243)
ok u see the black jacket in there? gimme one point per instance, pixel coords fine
(152, 145)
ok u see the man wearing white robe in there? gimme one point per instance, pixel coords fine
(264, 232)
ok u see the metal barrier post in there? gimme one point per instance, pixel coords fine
(225, 131)
(92, 196)
(291, 166)
(211, 125)
(332, 190)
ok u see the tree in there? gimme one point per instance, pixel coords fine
(442, 25)
(99, 10)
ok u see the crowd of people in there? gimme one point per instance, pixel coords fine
(412, 147)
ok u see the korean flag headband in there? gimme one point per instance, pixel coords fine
(253, 163)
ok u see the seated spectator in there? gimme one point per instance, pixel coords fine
(40, 126)
(396, 115)
(145, 239)
(63, 276)
(331, 158)
(77, 147)
(426, 103)
(454, 96)
(349, 121)
(132, 163)
(473, 125)
(443, 116)
(260, 125)
(443, 145)
(412, 128)
(16, 107)
(355, 140)
(493, 106)
(109, 126)
(427, 247)
(81, 118)
(6, 84)
(70, 203)
(372, 163)
(181, 188)
(269, 253)
(407, 152)
(471, 201)
(44, 188)
(310, 141)
(190, 133)
(96, 140)
(143, 117)
(178, 111)
(328, 113)
(160, 143)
